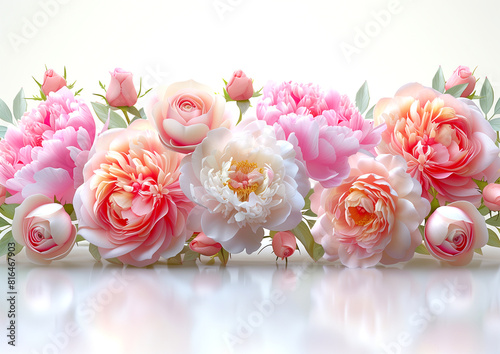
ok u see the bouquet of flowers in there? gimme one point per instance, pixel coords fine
(183, 178)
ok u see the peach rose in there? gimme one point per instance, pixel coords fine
(454, 231)
(44, 228)
(121, 91)
(52, 82)
(185, 112)
(446, 141)
(240, 87)
(284, 244)
(130, 205)
(491, 196)
(462, 75)
(373, 215)
(204, 245)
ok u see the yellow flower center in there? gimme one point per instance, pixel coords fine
(360, 216)
(244, 178)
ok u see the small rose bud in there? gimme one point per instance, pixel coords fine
(240, 87)
(204, 245)
(52, 82)
(462, 75)
(491, 196)
(121, 91)
(284, 244)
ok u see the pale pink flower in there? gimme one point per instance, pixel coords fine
(454, 231)
(130, 205)
(185, 112)
(284, 244)
(52, 82)
(373, 216)
(446, 141)
(44, 228)
(204, 245)
(3, 192)
(45, 154)
(324, 127)
(240, 87)
(244, 180)
(491, 196)
(121, 91)
(462, 75)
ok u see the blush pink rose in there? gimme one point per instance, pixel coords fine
(204, 245)
(491, 196)
(324, 127)
(121, 91)
(462, 75)
(185, 112)
(372, 216)
(46, 152)
(454, 231)
(284, 244)
(44, 228)
(446, 141)
(240, 87)
(52, 82)
(130, 205)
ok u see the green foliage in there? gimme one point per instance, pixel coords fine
(304, 235)
(363, 98)
(493, 239)
(94, 251)
(487, 96)
(5, 113)
(438, 81)
(421, 249)
(7, 210)
(456, 91)
(19, 106)
(102, 111)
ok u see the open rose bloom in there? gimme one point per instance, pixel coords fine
(244, 180)
(131, 205)
(372, 216)
(446, 141)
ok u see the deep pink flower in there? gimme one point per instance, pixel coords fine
(45, 154)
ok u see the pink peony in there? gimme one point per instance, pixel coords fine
(131, 205)
(373, 216)
(454, 231)
(204, 245)
(185, 112)
(446, 141)
(491, 196)
(462, 75)
(284, 244)
(244, 180)
(324, 127)
(44, 228)
(52, 82)
(46, 152)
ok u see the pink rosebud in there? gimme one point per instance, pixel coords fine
(454, 231)
(204, 245)
(284, 244)
(52, 82)
(3, 193)
(491, 196)
(462, 75)
(240, 87)
(121, 91)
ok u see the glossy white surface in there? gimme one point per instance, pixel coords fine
(255, 305)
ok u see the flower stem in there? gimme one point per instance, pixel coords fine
(126, 115)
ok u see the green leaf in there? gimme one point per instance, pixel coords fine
(495, 124)
(480, 183)
(421, 249)
(143, 113)
(486, 100)
(243, 105)
(438, 81)
(362, 98)
(4, 244)
(494, 221)
(223, 256)
(3, 131)
(79, 238)
(116, 121)
(497, 108)
(177, 260)
(304, 235)
(8, 210)
(19, 106)
(483, 210)
(493, 239)
(479, 251)
(5, 114)
(191, 255)
(94, 251)
(4, 222)
(133, 110)
(369, 114)
(457, 90)
(114, 261)
(307, 199)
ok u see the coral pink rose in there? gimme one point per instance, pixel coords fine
(454, 231)
(284, 244)
(130, 205)
(52, 82)
(185, 112)
(204, 245)
(491, 196)
(44, 228)
(446, 141)
(240, 87)
(121, 91)
(462, 75)
(373, 216)
(46, 152)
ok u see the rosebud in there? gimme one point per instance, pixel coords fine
(491, 196)
(121, 91)
(462, 75)
(204, 245)
(52, 82)
(240, 87)
(284, 244)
